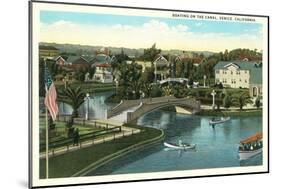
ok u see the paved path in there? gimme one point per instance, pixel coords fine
(125, 131)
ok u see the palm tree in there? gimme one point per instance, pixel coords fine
(242, 100)
(73, 97)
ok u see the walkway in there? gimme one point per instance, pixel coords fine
(125, 131)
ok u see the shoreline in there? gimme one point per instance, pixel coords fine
(90, 158)
(139, 146)
(243, 113)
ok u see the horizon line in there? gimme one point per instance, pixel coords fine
(258, 50)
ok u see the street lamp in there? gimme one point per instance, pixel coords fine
(64, 81)
(87, 99)
(155, 70)
(204, 80)
(116, 85)
(213, 94)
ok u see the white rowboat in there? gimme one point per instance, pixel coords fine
(218, 121)
(180, 147)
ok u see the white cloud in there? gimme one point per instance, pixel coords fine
(199, 24)
(166, 36)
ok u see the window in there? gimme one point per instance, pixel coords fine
(231, 72)
(246, 81)
(237, 72)
(246, 71)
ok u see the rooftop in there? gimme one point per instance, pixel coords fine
(254, 67)
(45, 47)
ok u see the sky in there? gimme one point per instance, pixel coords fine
(141, 32)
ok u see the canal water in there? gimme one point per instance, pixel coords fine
(95, 105)
(215, 147)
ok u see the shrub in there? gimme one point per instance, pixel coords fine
(156, 91)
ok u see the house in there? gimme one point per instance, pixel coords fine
(48, 51)
(162, 65)
(61, 61)
(240, 74)
(144, 64)
(103, 73)
(101, 59)
(78, 62)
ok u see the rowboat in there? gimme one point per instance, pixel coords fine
(250, 146)
(218, 121)
(180, 146)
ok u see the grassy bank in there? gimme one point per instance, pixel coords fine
(70, 163)
(243, 113)
(90, 87)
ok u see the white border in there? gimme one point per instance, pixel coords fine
(37, 7)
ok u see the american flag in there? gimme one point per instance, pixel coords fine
(51, 95)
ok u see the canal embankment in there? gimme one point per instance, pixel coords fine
(85, 160)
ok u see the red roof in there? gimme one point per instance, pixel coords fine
(256, 137)
(103, 65)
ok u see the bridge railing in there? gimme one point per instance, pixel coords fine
(149, 106)
(126, 104)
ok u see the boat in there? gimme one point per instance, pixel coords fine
(218, 121)
(250, 146)
(180, 146)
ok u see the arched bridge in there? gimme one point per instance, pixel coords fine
(179, 80)
(129, 110)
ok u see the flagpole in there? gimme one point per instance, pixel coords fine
(47, 145)
(47, 136)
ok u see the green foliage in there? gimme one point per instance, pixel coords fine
(80, 75)
(258, 102)
(156, 91)
(241, 99)
(227, 101)
(150, 53)
(73, 97)
(167, 90)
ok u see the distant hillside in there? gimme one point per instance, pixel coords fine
(89, 50)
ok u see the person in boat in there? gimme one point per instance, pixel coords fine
(180, 143)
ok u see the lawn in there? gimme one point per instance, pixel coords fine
(60, 131)
(67, 164)
(90, 87)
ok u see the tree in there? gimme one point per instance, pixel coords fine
(156, 91)
(167, 90)
(227, 101)
(80, 74)
(242, 99)
(146, 79)
(134, 79)
(73, 97)
(258, 102)
(150, 54)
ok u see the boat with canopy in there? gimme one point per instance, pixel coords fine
(250, 146)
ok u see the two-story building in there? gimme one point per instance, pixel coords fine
(161, 68)
(48, 51)
(240, 74)
(103, 73)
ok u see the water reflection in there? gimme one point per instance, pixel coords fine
(97, 107)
